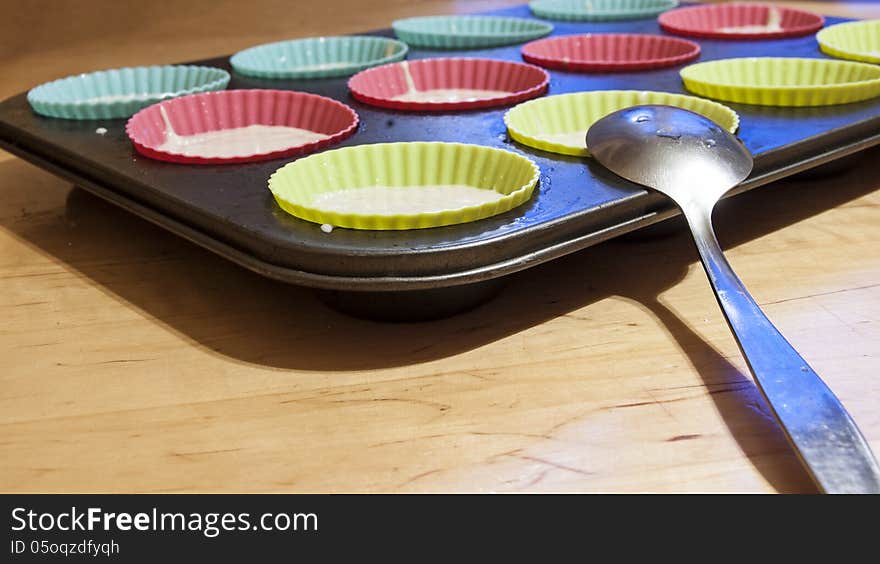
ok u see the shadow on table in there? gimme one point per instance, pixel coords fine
(233, 312)
(248, 318)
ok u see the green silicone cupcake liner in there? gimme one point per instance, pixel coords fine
(856, 41)
(599, 10)
(468, 32)
(779, 81)
(559, 123)
(119, 93)
(317, 57)
(297, 185)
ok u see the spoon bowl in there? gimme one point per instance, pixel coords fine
(677, 152)
(695, 162)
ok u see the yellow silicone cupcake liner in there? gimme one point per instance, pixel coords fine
(783, 81)
(856, 41)
(559, 123)
(297, 186)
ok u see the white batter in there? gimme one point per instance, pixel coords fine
(399, 200)
(323, 66)
(449, 95)
(439, 95)
(571, 138)
(774, 23)
(110, 98)
(236, 142)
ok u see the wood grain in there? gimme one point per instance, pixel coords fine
(132, 361)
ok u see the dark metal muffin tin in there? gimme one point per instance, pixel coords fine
(431, 272)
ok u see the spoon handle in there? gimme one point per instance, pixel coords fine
(822, 432)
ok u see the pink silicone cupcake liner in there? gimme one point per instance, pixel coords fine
(512, 82)
(740, 21)
(232, 109)
(609, 52)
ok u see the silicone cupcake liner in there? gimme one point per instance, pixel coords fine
(231, 109)
(297, 185)
(468, 32)
(119, 93)
(710, 21)
(856, 41)
(379, 86)
(599, 10)
(777, 81)
(573, 114)
(609, 52)
(317, 57)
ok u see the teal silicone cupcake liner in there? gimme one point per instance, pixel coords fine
(468, 32)
(119, 93)
(599, 10)
(317, 57)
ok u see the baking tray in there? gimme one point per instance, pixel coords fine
(431, 272)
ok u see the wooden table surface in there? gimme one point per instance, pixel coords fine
(133, 361)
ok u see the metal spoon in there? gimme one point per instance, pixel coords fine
(695, 162)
